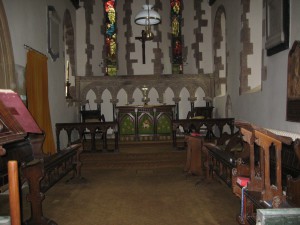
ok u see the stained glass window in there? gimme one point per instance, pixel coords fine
(110, 37)
(176, 14)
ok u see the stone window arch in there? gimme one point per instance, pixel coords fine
(220, 51)
(69, 49)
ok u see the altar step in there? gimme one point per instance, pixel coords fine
(132, 146)
(133, 160)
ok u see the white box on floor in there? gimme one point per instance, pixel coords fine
(4, 220)
(289, 216)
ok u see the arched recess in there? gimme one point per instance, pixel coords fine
(220, 51)
(7, 64)
(184, 104)
(137, 96)
(122, 97)
(91, 96)
(168, 96)
(200, 95)
(106, 106)
(153, 96)
(69, 48)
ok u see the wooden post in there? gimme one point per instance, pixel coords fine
(14, 195)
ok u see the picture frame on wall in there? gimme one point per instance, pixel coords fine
(53, 33)
(277, 26)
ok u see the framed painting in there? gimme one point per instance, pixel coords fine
(277, 26)
(293, 84)
(53, 33)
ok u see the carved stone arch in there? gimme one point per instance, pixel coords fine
(120, 89)
(220, 61)
(7, 64)
(85, 90)
(177, 89)
(113, 92)
(130, 90)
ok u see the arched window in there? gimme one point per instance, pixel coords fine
(176, 14)
(110, 37)
(220, 52)
(69, 47)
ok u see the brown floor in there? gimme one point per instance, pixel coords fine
(159, 195)
(141, 197)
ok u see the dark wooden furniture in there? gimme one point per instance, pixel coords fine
(93, 127)
(272, 166)
(194, 162)
(205, 111)
(219, 163)
(213, 128)
(93, 116)
(145, 122)
(18, 143)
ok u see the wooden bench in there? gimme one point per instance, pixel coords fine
(214, 128)
(40, 171)
(221, 157)
(93, 128)
(41, 174)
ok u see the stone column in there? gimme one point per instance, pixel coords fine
(114, 103)
(177, 100)
(192, 101)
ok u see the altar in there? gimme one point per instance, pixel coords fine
(145, 123)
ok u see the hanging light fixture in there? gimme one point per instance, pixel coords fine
(146, 17)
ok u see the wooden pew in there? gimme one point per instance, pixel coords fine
(42, 174)
(198, 158)
(21, 140)
(271, 162)
(222, 158)
(272, 168)
(196, 125)
(93, 127)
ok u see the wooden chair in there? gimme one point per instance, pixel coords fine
(92, 116)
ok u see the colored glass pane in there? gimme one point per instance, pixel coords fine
(176, 15)
(110, 37)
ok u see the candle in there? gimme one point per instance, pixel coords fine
(14, 195)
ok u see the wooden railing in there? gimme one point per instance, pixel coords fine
(93, 128)
(206, 126)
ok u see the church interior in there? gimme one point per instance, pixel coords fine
(149, 112)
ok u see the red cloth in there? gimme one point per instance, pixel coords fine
(17, 108)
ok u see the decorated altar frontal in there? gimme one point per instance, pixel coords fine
(145, 123)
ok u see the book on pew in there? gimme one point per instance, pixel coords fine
(243, 181)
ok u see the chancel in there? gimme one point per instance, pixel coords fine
(150, 112)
